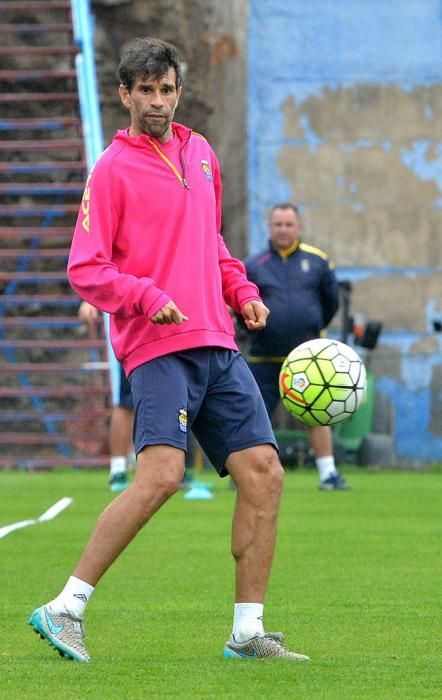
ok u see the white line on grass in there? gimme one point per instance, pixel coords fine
(49, 514)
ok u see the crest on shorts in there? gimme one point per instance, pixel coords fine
(182, 420)
(206, 169)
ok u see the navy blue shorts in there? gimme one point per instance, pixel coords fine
(210, 390)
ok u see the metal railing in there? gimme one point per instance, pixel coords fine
(84, 25)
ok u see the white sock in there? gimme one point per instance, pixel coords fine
(326, 467)
(247, 621)
(118, 465)
(73, 598)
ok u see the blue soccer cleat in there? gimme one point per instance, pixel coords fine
(336, 482)
(118, 482)
(63, 632)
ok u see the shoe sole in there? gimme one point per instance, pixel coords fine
(229, 653)
(39, 628)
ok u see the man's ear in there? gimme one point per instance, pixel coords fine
(179, 91)
(124, 96)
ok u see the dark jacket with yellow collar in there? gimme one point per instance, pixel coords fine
(301, 291)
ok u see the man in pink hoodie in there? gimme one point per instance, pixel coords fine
(147, 249)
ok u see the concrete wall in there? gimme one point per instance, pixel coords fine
(344, 118)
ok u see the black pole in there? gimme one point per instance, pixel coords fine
(345, 288)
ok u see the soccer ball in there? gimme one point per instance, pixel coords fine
(322, 382)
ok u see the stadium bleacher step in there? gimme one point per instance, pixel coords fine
(54, 379)
(41, 322)
(40, 300)
(23, 6)
(22, 345)
(42, 145)
(29, 29)
(20, 233)
(48, 167)
(41, 188)
(35, 75)
(29, 253)
(35, 51)
(41, 98)
(49, 367)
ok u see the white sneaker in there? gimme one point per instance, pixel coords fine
(63, 632)
(268, 646)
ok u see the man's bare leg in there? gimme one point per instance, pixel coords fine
(321, 440)
(258, 475)
(159, 473)
(158, 476)
(120, 444)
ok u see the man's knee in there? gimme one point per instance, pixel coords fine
(271, 468)
(160, 469)
(258, 467)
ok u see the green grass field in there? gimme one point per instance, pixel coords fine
(356, 584)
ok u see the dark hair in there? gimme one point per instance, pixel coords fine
(285, 205)
(145, 57)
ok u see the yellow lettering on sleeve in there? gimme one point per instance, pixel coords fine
(85, 204)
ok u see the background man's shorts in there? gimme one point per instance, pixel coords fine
(124, 393)
(267, 378)
(210, 390)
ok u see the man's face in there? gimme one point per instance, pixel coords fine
(152, 103)
(285, 228)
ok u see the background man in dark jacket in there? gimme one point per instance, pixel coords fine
(298, 285)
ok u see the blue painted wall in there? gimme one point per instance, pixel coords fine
(304, 50)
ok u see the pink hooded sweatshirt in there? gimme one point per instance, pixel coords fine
(148, 231)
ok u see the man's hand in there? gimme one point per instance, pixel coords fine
(88, 313)
(255, 315)
(169, 313)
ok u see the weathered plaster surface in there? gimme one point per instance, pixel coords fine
(345, 161)
(344, 119)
